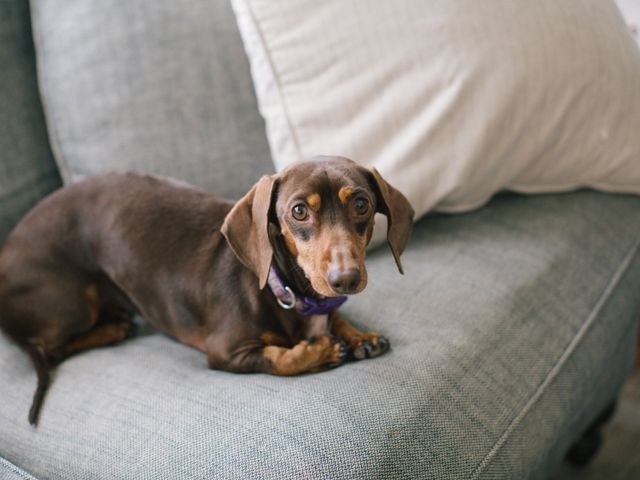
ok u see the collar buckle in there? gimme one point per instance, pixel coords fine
(290, 303)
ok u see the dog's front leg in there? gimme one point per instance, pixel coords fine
(315, 355)
(361, 344)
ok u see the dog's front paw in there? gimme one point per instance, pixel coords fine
(372, 346)
(332, 352)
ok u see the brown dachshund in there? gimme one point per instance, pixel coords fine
(86, 258)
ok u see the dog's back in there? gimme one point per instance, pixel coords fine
(196, 267)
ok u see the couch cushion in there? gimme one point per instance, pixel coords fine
(27, 169)
(511, 329)
(161, 86)
(10, 472)
(452, 101)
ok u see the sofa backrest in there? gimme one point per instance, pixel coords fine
(161, 86)
(27, 169)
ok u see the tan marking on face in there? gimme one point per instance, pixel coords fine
(345, 194)
(313, 201)
(337, 245)
(314, 256)
(289, 239)
(369, 233)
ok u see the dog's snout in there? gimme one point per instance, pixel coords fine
(344, 281)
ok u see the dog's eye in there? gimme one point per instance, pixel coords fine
(361, 206)
(300, 212)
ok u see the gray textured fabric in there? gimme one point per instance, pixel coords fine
(511, 329)
(160, 86)
(27, 169)
(8, 471)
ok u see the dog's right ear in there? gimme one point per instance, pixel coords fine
(399, 212)
(246, 228)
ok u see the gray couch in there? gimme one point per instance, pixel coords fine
(511, 330)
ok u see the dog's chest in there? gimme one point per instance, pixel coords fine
(317, 326)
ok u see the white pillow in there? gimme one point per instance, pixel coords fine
(452, 100)
(631, 12)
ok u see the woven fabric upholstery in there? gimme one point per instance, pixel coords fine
(511, 329)
(27, 169)
(160, 86)
(9, 471)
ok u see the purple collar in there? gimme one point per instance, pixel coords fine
(306, 306)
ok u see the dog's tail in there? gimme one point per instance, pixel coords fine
(43, 369)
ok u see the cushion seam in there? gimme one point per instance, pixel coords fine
(4, 463)
(568, 351)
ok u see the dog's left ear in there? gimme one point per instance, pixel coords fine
(396, 207)
(246, 228)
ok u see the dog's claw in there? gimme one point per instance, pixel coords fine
(342, 352)
(370, 349)
(363, 351)
(383, 344)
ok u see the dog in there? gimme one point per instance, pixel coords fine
(89, 256)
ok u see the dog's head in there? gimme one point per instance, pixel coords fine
(324, 209)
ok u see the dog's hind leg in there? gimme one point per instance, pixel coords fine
(43, 355)
(99, 336)
(110, 324)
(52, 320)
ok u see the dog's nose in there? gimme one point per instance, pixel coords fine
(344, 281)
